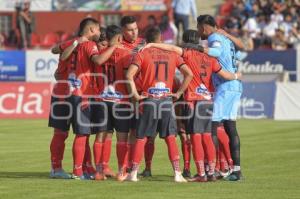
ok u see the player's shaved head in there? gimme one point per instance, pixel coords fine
(153, 35)
(191, 36)
(85, 24)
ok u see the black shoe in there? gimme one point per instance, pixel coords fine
(146, 173)
(186, 173)
(234, 176)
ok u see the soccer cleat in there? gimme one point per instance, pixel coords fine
(179, 178)
(132, 176)
(60, 174)
(211, 178)
(99, 176)
(75, 177)
(198, 178)
(122, 176)
(234, 176)
(146, 173)
(186, 173)
(89, 176)
(109, 173)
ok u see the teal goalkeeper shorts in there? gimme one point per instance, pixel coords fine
(226, 105)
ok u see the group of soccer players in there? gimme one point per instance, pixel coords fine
(111, 80)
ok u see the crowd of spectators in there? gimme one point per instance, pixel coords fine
(264, 24)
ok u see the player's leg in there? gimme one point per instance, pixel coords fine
(146, 127)
(211, 155)
(224, 146)
(81, 123)
(122, 118)
(186, 151)
(106, 152)
(193, 128)
(233, 99)
(185, 141)
(97, 149)
(99, 121)
(148, 153)
(88, 169)
(59, 120)
(167, 128)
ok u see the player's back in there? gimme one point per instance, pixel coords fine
(202, 66)
(157, 68)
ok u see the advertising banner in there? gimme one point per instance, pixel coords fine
(40, 66)
(24, 100)
(258, 100)
(270, 62)
(12, 66)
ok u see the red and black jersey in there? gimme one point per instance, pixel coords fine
(202, 66)
(61, 88)
(111, 78)
(157, 69)
(82, 68)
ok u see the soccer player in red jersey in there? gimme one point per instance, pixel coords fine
(58, 117)
(132, 43)
(199, 102)
(81, 79)
(157, 68)
(112, 93)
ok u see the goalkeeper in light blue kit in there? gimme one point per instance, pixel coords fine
(227, 93)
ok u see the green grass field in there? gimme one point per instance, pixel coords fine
(270, 163)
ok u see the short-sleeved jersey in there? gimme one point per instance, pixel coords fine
(202, 66)
(157, 69)
(81, 75)
(227, 60)
(110, 81)
(61, 88)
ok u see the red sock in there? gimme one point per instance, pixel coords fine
(122, 155)
(186, 152)
(198, 153)
(149, 151)
(78, 154)
(130, 149)
(57, 148)
(173, 152)
(223, 161)
(106, 151)
(98, 154)
(224, 145)
(87, 163)
(138, 153)
(209, 147)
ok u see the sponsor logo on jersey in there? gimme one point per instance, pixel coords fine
(203, 91)
(159, 89)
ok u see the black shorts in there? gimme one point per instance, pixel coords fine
(81, 115)
(199, 117)
(60, 114)
(110, 116)
(156, 115)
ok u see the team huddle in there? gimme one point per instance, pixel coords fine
(109, 80)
